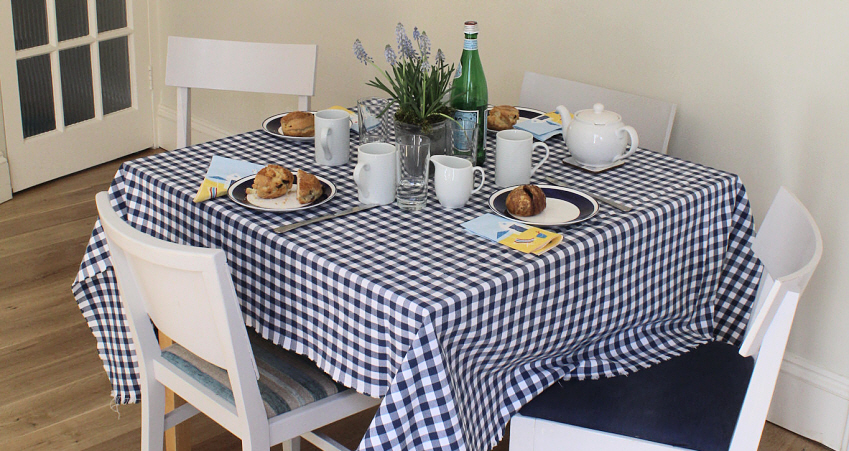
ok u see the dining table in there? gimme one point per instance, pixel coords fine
(454, 332)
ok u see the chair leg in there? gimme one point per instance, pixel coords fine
(256, 440)
(153, 416)
(292, 445)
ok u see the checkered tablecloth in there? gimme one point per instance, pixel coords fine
(456, 333)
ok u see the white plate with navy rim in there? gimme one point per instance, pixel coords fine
(524, 115)
(563, 206)
(272, 127)
(289, 202)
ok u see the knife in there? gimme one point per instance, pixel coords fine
(601, 199)
(295, 225)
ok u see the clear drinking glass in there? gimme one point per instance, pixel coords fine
(464, 138)
(374, 119)
(413, 153)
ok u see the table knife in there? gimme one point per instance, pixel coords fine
(601, 199)
(295, 225)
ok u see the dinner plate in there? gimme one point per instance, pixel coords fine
(563, 206)
(288, 202)
(272, 126)
(524, 115)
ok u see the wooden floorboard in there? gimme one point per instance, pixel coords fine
(54, 393)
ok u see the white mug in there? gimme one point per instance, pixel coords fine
(332, 138)
(454, 179)
(513, 152)
(374, 173)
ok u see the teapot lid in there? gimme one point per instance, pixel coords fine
(598, 116)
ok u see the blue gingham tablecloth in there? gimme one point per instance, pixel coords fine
(455, 332)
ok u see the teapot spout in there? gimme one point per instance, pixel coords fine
(565, 116)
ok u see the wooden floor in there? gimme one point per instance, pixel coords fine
(54, 394)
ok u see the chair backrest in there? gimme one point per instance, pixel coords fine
(651, 118)
(237, 66)
(789, 246)
(186, 291)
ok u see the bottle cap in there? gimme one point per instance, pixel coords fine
(471, 27)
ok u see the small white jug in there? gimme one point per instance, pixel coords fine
(453, 180)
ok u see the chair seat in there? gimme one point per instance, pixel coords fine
(690, 401)
(286, 380)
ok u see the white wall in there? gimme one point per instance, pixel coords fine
(762, 88)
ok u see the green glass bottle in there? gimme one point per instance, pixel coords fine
(468, 92)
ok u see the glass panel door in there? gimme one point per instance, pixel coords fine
(75, 65)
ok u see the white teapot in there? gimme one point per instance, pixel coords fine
(597, 137)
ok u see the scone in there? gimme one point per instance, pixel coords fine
(298, 123)
(525, 200)
(502, 117)
(272, 181)
(309, 187)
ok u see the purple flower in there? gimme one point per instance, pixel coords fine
(405, 46)
(390, 55)
(440, 57)
(424, 44)
(361, 54)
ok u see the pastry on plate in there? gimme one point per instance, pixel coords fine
(309, 187)
(525, 200)
(272, 181)
(298, 123)
(502, 117)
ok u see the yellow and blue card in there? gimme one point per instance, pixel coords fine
(221, 173)
(513, 234)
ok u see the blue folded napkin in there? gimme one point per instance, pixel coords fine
(542, 128)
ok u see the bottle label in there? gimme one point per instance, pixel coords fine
(470, 44)
(459, 71)
(464, 116)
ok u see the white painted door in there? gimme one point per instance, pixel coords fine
(75, 83)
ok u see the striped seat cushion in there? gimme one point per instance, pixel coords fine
(286, 380)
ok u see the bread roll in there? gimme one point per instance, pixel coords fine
(298, 123)
(502, 117)
(272, 181)
(309, 187)
(526, 200)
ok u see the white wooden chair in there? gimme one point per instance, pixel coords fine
(651, 118)
(715, 397)
(237, 66)
(255, 389)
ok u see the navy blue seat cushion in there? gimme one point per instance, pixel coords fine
(691, 401)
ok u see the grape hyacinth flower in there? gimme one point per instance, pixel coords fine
(440, 57)
(361, 54)
(405, 46)
(424, 45)
(418, 87)
(390, 55)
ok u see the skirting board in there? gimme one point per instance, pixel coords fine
(812, 402)
(202, 131)
(5, 181)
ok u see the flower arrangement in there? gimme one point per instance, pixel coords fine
(418, 87)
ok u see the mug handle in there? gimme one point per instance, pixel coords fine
(358, 169)
(325, 133)
(483, 178)
(547, 151)
(635, 141)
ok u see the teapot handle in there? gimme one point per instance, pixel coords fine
(635, 141)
